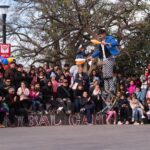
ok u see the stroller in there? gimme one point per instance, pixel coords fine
(109, 101)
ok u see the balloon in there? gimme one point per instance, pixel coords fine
(96, 42)
(1, 58)
(5, 61)
(11, 59)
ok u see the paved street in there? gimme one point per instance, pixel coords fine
(76, 138)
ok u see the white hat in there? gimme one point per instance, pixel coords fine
(53, 75)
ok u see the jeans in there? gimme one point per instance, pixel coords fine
(137, 114)
(77, 105)
(143, 95)
(89, 108)
(36, 105)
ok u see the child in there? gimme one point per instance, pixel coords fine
(80, 53)
(111, 113)
(34, 97)
(131, 88)
(123, 104)
(54, 84)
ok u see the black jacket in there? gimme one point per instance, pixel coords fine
(64, 92)
(47, 92)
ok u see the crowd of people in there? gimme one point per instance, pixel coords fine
(70, 90)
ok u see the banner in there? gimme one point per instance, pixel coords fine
(5, 50)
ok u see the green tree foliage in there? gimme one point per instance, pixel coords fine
(138, 48)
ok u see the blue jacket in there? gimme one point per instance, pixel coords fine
(112, 49)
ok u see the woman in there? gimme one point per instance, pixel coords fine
(77, 93)
(32, 76)
(87, 106)
(93, 75)
(15, 107)
(97, 98)
(23, 93)
(137, 110)
(41, 79)
(47, 95)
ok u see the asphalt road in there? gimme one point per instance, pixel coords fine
(76, 138)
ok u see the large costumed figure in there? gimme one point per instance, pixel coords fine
(107, 49)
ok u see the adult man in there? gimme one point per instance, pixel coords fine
(20, 76)
(106, 52)
(10, 73)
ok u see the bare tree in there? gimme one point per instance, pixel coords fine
(53, 30)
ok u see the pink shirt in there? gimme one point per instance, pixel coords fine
(33, 94)
(131, 89)
(55, 86)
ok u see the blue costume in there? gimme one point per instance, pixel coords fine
(112, 49)
(106, 53)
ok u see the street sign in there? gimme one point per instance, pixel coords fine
(5, 50)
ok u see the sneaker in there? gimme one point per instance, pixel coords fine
(127, 122)
(39, 112)
(59, 109)
(89, 124)
(68, 112)
(115, 123)
(2, 126)
(120, 123)
(82, 109)
(132, 120)
(46, 112)
(136, 123)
